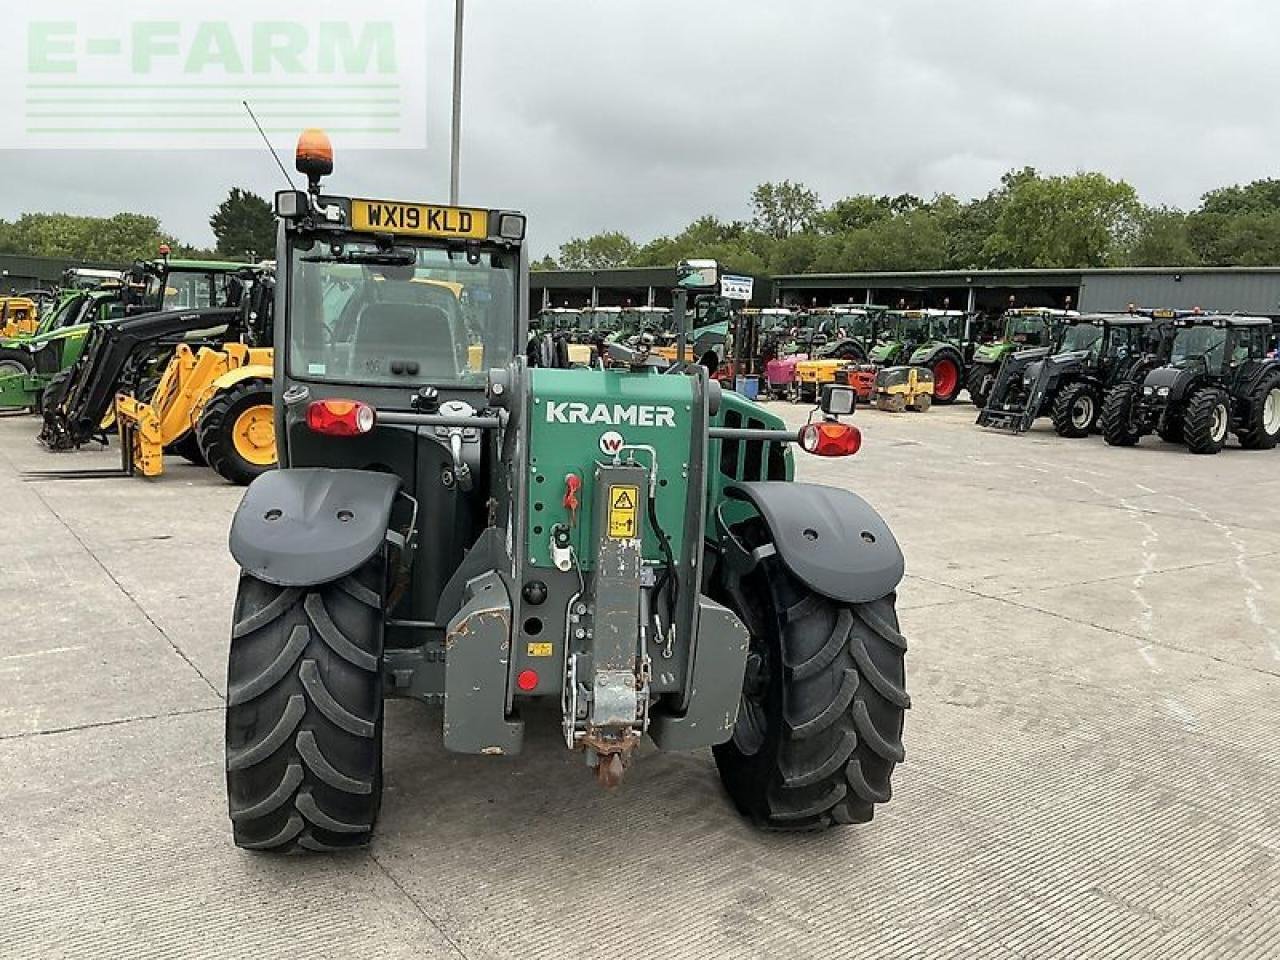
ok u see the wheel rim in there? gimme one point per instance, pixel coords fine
(1219, 429)
(11, 368)
(254, 435)
(945, 378)
(750, 731)
(1271, 412)
(1082, 412)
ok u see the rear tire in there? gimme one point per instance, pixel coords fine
(819, 729)
(1075, 410)
(1118, 428)
(947, 380)
(1264, 415)
(304, 713)
(221, 434)
(15, 362)
(1207, 420)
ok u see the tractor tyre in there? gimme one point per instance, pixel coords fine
(947, 380)
(1075, 410)
(1207, 420)
(1170, 431)
(979, 384)
(236, 432)
(54, 392)
(188, 448)
(1263, 426)
(15, 362)
(1118, 411)
(819, 727)
(304, 713)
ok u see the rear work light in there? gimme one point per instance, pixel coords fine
(340, 418)
(831, 439)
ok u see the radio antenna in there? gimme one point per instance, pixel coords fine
(275, 156)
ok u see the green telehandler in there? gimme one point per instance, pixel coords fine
(627, 544)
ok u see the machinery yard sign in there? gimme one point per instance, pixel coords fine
(736, 288)
(159, 74)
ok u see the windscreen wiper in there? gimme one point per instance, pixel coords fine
(366, 259)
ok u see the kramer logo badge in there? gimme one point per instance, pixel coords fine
(611, 414)
(611, 443)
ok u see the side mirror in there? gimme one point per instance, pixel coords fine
(838, 400)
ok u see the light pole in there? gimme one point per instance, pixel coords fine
(456, 145)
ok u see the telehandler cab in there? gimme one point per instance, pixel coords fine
(625, 543)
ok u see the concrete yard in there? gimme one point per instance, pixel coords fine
(1092, 762)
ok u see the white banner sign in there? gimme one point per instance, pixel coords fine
(736, 288)
(171, 74)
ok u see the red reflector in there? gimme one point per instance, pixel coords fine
(340, 418)
(831, 439)
(527, 679)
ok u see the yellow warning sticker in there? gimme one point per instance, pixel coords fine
(539, 649)
(623, 510)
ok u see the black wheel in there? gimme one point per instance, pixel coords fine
(819, 728)
(979, 384)
(304, 713)
(1075, 410)
(1170, 430)
(188, 448)
(236, 432)
(1118, 412)
(1207, 421)
(1263, 424)
(16, 363)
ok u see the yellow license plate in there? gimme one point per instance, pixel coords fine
(420, 220)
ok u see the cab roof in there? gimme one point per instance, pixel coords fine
(1222, 320)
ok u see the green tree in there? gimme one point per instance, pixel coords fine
(1238, 225)
(784, 208)
(602, 251)
(245, 226)
(1163, 240)
(1084, 220)
(118, 239)
(548, 262)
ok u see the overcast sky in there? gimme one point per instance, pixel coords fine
(640, 115)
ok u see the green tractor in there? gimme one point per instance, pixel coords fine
(1024, 328)
(29, 364)
(943, 353)
(624, 545)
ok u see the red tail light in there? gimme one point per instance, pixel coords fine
(831, 439)
(340, 418)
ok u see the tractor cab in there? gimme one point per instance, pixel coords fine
(902, 333)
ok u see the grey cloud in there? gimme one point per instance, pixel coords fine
(596, 114)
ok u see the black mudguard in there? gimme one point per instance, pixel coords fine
(830, 539)
(298, 527)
